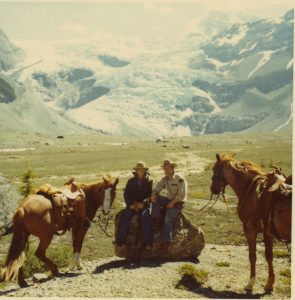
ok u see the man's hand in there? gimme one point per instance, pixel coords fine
(154, 198)
(139, 205)
(132, 206)
(170, 204)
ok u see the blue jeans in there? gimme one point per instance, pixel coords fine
(124, 224)
(171, 214)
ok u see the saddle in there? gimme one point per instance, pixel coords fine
(63, 198)
(275, 194)
(276, 181)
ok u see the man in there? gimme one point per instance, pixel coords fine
(176, 187)
(137, 197)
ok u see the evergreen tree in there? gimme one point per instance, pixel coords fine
(27, 182)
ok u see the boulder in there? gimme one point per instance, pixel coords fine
(188, 241)
(9, 199)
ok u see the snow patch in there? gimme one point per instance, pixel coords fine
(290, 63)
(266, 55)
(234, 39)
(186, 113)
(248, 49)
(201, 93)
(287, 122)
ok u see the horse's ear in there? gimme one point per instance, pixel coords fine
(218, 157)
(106, 179)
(116, 181)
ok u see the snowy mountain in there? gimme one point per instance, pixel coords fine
(10, 55)
(243, 65)
(217, 21)
(238, 79)
(25, 111)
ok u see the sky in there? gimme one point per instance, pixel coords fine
(61, 20)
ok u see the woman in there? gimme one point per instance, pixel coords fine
(137, 197)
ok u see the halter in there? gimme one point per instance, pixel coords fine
(106, 204)
(219, 175)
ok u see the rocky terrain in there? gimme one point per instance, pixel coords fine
(225, 254)
(9, 199)
(114, 277)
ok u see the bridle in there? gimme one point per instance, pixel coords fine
(218, 176)
(102, 221)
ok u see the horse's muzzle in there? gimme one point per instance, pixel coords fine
(215, 190)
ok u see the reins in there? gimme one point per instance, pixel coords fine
(222, 192)
(104, 229)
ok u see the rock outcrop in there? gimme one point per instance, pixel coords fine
(188, 242)
(9, 199)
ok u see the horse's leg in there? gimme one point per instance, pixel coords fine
(251, 239)
(79, 230)
(40, 253)
(268, 243)
(21, 279)
(78, 234)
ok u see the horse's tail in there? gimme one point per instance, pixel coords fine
(16, 254)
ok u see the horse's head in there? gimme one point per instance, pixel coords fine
(222, 175)
(109, 193)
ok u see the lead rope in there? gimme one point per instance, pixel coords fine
(207, 203)
(222, 193)
(104, 229)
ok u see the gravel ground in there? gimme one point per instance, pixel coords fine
(113, 277)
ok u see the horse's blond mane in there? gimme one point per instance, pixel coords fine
(246, 166)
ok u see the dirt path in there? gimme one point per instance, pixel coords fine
(112, 277)
(187, 163)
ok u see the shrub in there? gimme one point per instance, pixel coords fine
(281, 253)
(27, 182)
(191, 277)
(222, 264)
(286, 272)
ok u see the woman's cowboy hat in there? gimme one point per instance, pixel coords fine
(140, 165)
(168, 162)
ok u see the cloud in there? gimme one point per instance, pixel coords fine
(249, 5)
(150, 7)
(73, 27)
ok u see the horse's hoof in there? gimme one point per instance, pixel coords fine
(248, 288)
(79, 268)
(23, 284)
(268, 289)
(56, 274)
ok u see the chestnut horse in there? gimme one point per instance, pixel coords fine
(35, 216)
(246, 178)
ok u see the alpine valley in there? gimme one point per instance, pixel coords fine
(237, 79)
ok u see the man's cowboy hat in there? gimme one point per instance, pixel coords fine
(141, 165)
(168, 162)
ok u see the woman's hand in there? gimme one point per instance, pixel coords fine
(154, 198)
(139, 205)
(170, 204)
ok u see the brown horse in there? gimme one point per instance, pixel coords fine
(246, 179)
(35, 215)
